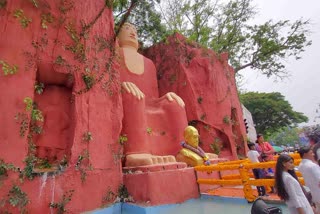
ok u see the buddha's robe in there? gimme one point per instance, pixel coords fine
(153, 125)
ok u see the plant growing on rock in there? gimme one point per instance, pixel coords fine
(109, 197)
(226, 119)
(123, 194)
(60, 206)
(87, 137)
(216, 146)
(123, 139)
(23, 19)
(38, 87)
(4, 167)
(18, 198)
(8, 69)
(83, 167)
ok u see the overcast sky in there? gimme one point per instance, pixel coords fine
(302, 89)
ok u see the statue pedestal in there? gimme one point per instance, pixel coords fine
(161, 184)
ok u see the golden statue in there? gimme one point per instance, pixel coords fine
(191, 153)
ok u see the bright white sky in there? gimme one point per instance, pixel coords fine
(302, 89)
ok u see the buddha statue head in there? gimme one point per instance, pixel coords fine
(128, 36)
(191, 136)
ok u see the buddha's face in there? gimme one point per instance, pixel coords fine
(192, 136)
(128, 36)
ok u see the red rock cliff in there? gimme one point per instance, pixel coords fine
(64, 50)
(206, 83)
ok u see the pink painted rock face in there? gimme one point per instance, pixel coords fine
(43, 42)
(206, 83)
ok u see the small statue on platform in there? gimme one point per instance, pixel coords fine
(191, 153)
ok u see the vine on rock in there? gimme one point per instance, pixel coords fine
(46, 18)
(109, 197)
(65, 6)
(89, 80)
(123, 194)
(60, 206)
(16, 198)
(24, 21)
(87, 137)
(4, 167)
(23, 119)
(39, 87)
(226, 119)
(8, 69)
(30, 161)
(35, 126)
(83, 167)
(122, 139)
(34, 2)
(77, 48)
(216, 145)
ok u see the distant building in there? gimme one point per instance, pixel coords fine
(251, 130)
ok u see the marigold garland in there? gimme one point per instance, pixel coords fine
(198, 151)
(244, 177)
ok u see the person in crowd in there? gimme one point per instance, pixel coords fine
(314, 139)
(266, 152)
(311, 174)
(254, 156)
(288, 188)
(268, 173)
(264, 148)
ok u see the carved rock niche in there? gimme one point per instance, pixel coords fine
(55, 141)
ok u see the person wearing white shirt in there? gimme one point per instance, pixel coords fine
(314, 139)
(253, 156)
(288, 187)
(311, 174)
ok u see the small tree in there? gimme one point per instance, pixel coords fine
(286, 136)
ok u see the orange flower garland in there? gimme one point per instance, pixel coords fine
(246, 180)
